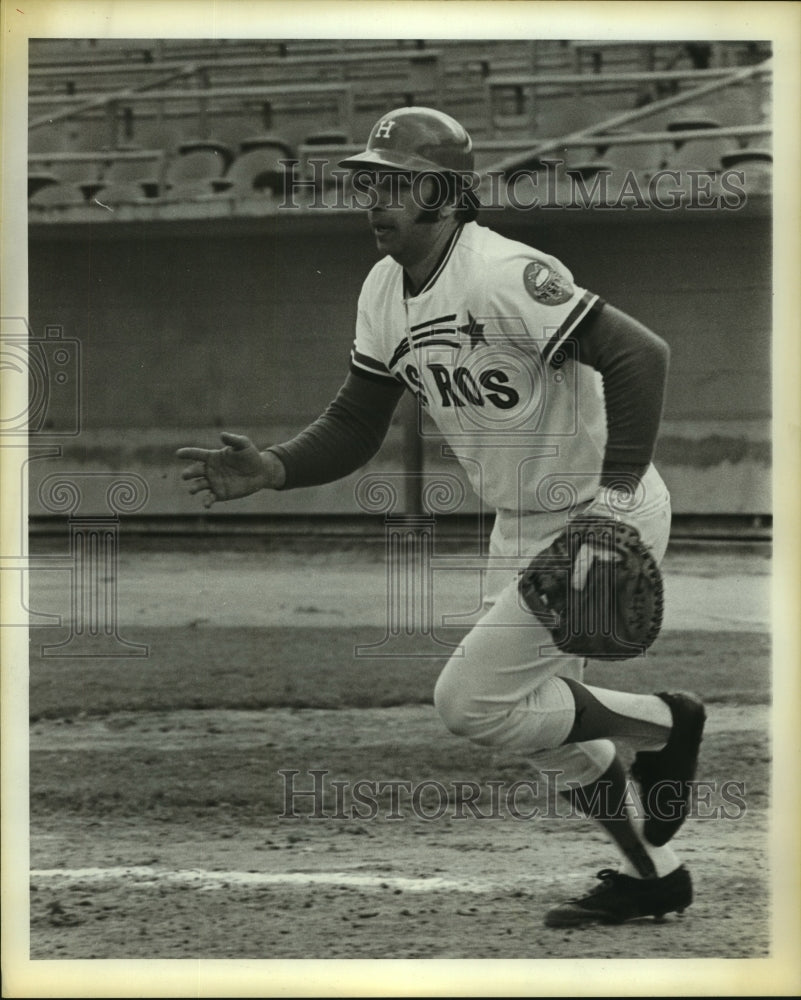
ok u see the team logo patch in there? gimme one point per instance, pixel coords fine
(546, 285)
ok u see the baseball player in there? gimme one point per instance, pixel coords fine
(551, 399)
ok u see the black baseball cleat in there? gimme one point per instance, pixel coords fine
(664, 775)
(619, 898)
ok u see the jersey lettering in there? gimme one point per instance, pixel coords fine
(413, 377)
(467, 386)
(443, 380)
(502, 396)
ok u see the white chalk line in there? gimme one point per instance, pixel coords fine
(145, 877)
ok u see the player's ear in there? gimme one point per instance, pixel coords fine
(430, 192)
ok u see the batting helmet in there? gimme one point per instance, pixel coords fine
(418, 139)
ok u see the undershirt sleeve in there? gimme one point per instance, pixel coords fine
(345, 437)
(633, 363)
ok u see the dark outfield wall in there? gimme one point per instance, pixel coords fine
(189, 327)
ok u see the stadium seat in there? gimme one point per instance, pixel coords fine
(704, 154)
(325, 173)
(58, 196)
(199, 159)
(37, 181)
(257, 167)
(145, 171)
(749, 155)
(690, 119)
(254, 171)
(193, 170)
(756, 166)
(120, 192)
(641, 156)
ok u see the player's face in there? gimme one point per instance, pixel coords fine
(398, 218)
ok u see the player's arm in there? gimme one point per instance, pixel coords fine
(345, 437)
(633, 362)
(341, 440)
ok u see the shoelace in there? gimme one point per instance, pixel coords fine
(606, 876)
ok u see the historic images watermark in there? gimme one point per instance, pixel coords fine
(316, 795)
(555, 186)
(42, 392)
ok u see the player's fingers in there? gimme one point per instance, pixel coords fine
(235, 441)
(208, 500)
(587, 555)
(193, 471)
(201, 454)
(581, 567)
(198, 485)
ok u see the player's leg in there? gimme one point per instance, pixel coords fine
(651, 880)
(505, 691)
(667, 727)
(498, 694)
(510, 687)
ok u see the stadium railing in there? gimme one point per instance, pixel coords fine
(523, 90)
(206, 101)
(408, 69)
(702, 84)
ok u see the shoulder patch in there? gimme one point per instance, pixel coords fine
(545, 284)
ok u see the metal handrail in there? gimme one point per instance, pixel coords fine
(632, 138)
(101, 100)
(628, 76)
(624, 118)
(195, 93)
(93, 157)
(244, 62)
(86, 104)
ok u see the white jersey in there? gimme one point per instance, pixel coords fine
(485, 345)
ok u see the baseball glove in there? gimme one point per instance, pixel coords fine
(615, 612)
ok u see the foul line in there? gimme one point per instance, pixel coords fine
(145, 877)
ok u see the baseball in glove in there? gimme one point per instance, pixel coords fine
(609, 609)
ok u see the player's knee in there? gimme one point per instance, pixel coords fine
(466, 712)
(539, 720)
(452, 705)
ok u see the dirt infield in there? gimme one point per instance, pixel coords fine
(215, 875)
(204, 802)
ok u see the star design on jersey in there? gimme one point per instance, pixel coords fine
(474, 330)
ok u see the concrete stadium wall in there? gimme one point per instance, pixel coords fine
(186, 328)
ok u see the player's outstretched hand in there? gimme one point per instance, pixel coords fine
(228, 473)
